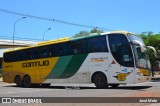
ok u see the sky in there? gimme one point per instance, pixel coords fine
(131, 15)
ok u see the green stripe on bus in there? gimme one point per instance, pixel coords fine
(59, 67)
(73, 66)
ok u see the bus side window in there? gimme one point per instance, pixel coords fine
(77, 47)
(60, 49)
(42, 52)
(50, 51)
(29, 55)
(5, 57)
(97, 44)
(19, 57)
(71, 48)
(8, 57)
(35, 53)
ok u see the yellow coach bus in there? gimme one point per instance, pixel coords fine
(105, 59)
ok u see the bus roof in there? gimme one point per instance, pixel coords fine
(54, 41)
(119, 31)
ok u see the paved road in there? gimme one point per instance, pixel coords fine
(147, 89)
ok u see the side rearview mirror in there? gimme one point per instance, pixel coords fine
(154, 50)
(139, 43)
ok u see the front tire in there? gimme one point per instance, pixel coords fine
(100, 81)
(27, 81)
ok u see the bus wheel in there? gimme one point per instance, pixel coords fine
(18, 81)
(26, 81)
(100, 81)
(114, 85)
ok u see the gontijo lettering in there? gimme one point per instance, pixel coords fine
(35, 64)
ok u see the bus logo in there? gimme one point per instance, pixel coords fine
(6, 100)
(100, 59)
(35, 64)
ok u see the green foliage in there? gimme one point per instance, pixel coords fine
(95, 30)
(151, 39)
(81, 33)
(86, 33)
(152, 58)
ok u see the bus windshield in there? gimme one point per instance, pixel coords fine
(141, 57)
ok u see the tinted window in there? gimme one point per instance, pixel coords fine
(43, 52)
(35, 53)
(60, 49)
(76, 47)
(93, 44)
(97, 44)
(20, 56)
(51, 50)
(7, 57)
(24, 55)
(121, 50)
(0, 63)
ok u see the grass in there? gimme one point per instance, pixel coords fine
(155, 79)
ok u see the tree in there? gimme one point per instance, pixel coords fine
(151, 39)
(81, 33)
(95, 30)
(86, 33)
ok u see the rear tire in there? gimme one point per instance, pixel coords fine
(100, 81)
(18, 81)
(27, 81)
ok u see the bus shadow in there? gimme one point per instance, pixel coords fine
(83, 88)
(132, 87)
